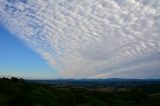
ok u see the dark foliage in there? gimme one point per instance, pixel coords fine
(17, 92)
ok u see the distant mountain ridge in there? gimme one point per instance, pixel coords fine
(110, 82)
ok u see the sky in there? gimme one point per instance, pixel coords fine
(80, 38)
(16, 59)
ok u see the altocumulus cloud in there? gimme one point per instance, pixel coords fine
(89, 38)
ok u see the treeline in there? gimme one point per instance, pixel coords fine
(17, 92)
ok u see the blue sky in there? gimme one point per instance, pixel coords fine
(16, 59)
(80, 38)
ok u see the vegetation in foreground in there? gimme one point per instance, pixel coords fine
(17, 92)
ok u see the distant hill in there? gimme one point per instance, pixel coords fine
(111, 82)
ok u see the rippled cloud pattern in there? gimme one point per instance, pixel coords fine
(89, 38)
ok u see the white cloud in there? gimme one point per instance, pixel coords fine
(151, 70)
(86, 38)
